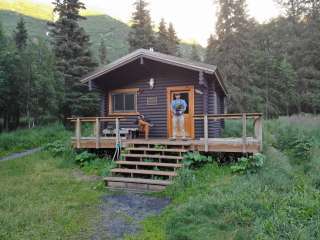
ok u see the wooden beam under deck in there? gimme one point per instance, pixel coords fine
(228, 145)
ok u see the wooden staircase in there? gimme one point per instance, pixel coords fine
(147, 166)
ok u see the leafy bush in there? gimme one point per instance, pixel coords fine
(57, 148)
(196, 159)
(84, 157)
(295, 140)
(98, 166)
(249, 164)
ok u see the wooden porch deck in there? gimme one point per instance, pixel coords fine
(244, 144)
(229, 145)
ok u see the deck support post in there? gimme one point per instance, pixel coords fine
(78, 132)
(97, 132)
(117, 131)
(258, 130)
(244, 132)
(206, 135)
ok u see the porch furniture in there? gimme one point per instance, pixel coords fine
(125, 133)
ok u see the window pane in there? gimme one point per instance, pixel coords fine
(130, 102)
(118, 102)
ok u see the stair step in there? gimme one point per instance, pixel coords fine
(136, 184)
(144, 172)
(138, 180)
(152, 164)
(157, 150)
(153, 156)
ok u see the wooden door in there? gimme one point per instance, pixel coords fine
(187, 93)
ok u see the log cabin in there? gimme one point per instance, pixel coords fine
(144, 82)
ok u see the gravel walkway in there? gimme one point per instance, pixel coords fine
(123, 212)
(21, 154)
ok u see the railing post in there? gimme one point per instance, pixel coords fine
(206, 135)
(97, 132)
(78, 132)
(117, 130)
(258, 130)
(244, 132)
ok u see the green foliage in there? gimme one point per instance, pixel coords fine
(84, 157)
(40, 200)
(21, 35)
(297, 139)
(195, 159)
(71, 47)
(57, 148)
(91, 164)
(141, 34)
(195, 56)
(24, 139)
(98, 167)
(159, 146)
(249, 164)
(280, 201)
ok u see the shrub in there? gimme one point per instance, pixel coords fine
(84, 157)
(98, 166)
(57, 148)
(196, 159)
(249, 164)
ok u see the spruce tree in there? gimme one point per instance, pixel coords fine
(174, 41)
(73, 58)
(162, 44)
(141, 35)
(195, 53)
(103, 52)
(21, 35)
(210, 50)
(232, 50)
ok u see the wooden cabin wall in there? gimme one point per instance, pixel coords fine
(165, 76)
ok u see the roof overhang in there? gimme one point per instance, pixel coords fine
(158, 57)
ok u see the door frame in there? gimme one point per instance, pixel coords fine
(190, 89)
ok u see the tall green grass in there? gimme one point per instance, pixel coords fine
(280, 201)
(41, 200)
(30, 138)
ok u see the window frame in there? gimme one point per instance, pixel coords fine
(124, 91)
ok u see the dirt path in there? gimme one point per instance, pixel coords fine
(123, 212)
(21, 154)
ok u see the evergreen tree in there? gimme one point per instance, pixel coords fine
(141, 35)
(162, 44)
(232, 51)
(103, 52)
(21, 35)
(73, 58)
(210, 50)
(195, 53)
(173, 44)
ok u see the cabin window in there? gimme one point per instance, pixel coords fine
(123, 101)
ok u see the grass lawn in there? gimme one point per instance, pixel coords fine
(24, 139)
(41, 199)
(280, 201)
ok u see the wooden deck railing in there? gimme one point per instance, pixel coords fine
(96, 130)
(257, 125)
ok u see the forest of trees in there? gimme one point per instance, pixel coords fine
(272, 68)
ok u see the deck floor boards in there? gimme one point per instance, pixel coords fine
(234, 145)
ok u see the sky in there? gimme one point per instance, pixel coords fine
(194, 20)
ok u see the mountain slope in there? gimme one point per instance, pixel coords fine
(98, 26)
